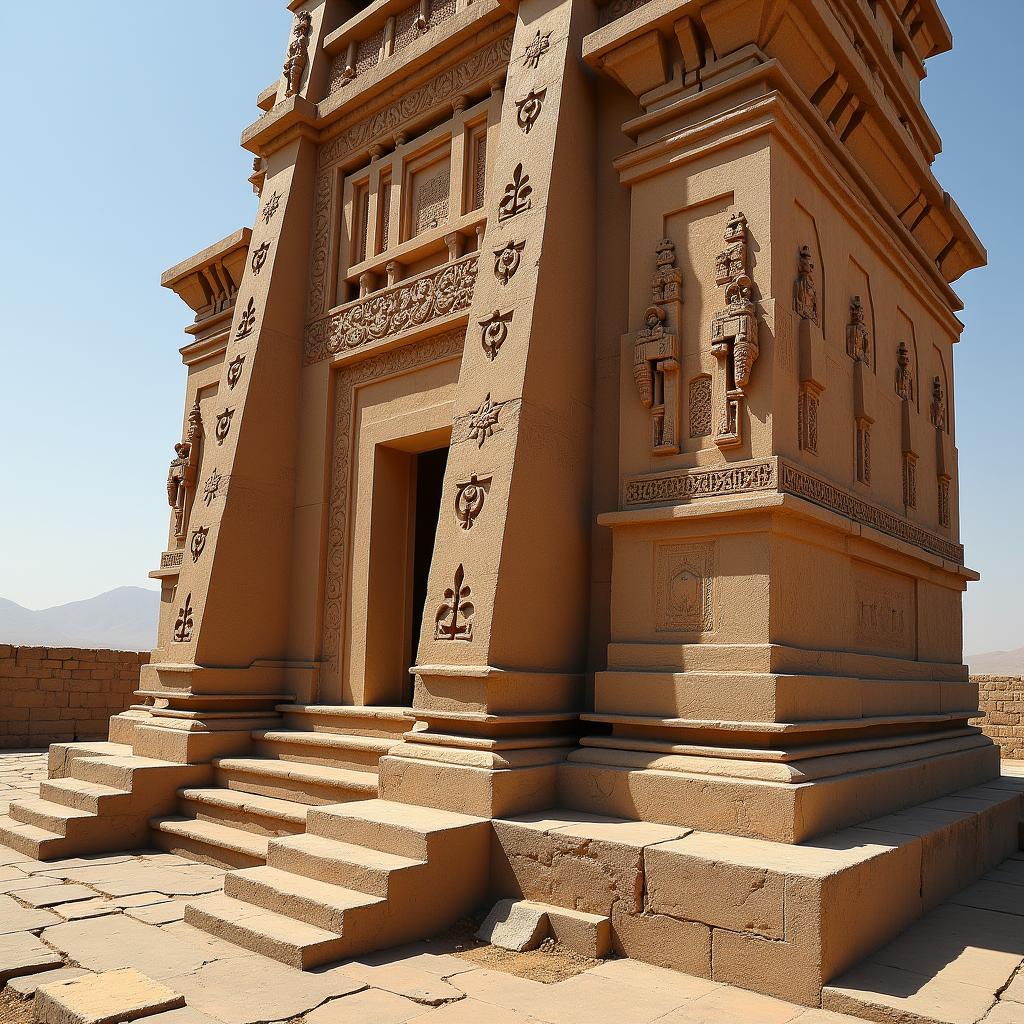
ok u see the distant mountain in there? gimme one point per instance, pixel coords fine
(997, 663)
(124, 619)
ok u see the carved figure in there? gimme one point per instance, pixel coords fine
(298, 52)
(453, 620)
(184, 468)
(528, 109)
(858, 343)
(536, 49)
(904, 374)
(259, 257)
(183, 623)
(495, 332)
(235, 371)
(469, 499)
(223, 425)
(667, 283)
(517, 195)
(247, 322)
(938, 410)
(805, 295)
(507, 260)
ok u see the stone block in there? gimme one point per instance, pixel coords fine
(517, 925)
(22, 953)
(108, 998)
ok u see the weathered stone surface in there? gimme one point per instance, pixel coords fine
(107, 998)
(25, 986)
(22, 953)
(368, 1007)
(515, 924)
(16, 918)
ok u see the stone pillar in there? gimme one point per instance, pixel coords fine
(503, 646)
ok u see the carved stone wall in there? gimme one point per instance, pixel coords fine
(1001, 702)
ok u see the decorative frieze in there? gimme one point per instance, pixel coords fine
(437, 293)
(686, 484)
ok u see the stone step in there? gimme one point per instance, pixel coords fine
(357, 753)
(320, 904)
(354, 867)
(402, 829)
(62, 756)
(356, 720)
(63, 821)
(209, 841)
(274, 935)
(128, 772)
(294, 780)
(31, 840)
(262, 815)
(85, 796)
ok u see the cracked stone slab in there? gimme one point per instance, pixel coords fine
(371, 1006)
(109, 998)
(22, 953)
(147, 877)
(52, 895)
(247, 990)
(16, 918)
(402, 980)
(25, 987)
(87, 908)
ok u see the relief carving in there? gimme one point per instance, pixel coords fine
(656, 352)
(904, 374)
(223, 426)
(212, 487)
(184, 468)
(516, 199)
(528, 109)
(469, 499)
(247, 321)
(183, 624)
(910, 480)
(884, 610)
(272, 205)
(700, 406)
(198, 542)
(494, 333)
(858, 342)
(454, 619)
(482, 423)
(235, 371)
(259, 257)
(440, 292)
(536, 48)
(507, 260)
(807, 417)
(938, 406)
(805, 296)
(684, 588)
(298, 52)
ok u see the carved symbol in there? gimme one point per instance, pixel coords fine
(454, 607)
(495, 332)
(484, 421)
(529, 108)
(538, 46)
(211, 487)
(298, 53)
(469, 499)
(517, 195)
(271, 207)
(235, 371)
(183, 623)
(223, 425)
(259, 257)
(198, 542)
(507, 260)
(247, 323)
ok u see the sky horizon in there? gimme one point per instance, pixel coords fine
(150, 171)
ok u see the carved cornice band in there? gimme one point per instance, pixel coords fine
(437, 293)
(777, 474)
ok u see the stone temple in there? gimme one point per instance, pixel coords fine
(566, 502)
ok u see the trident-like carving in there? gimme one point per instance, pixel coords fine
(453, 620)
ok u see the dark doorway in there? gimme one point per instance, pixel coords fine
(429, 488)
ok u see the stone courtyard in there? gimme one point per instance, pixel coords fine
(65, 920)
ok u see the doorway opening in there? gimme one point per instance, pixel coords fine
(430, 467)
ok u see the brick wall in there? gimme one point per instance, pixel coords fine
(52, 694)
(1001, 701)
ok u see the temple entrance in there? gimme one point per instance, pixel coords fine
(430, 468)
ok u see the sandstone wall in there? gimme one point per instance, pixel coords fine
(1001, 700)
(50, 694)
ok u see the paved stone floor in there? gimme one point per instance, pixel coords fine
(66, 919)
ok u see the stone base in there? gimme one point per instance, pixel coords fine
(604, 781)
(777, 918)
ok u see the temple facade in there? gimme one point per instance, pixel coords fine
(566, 501)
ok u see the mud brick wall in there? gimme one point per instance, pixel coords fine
(1001, 701)
(53, 694)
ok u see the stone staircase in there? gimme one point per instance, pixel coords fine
(99, 798)
(320, 755)
(365, 875)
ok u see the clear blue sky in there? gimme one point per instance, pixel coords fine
(121, 158)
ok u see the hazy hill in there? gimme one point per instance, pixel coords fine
(123, 620)
(997, 663)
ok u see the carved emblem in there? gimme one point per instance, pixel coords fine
(517, 195)
(537, 47)
(684, 582)
(198, 542)
(235, 371)
(271, 207)
(223, 425)
(247, 323)
(938, 409)
(528, 109)
(259, 257)
(183, 623)
(507, 260)
(298, 52)
(904, 374)
(483, 422)
(453, 620)
(181, 476)
(469, 499)
(494, 332)
(667, 282)
(858, 344)
(211, 487)
(805, 296)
